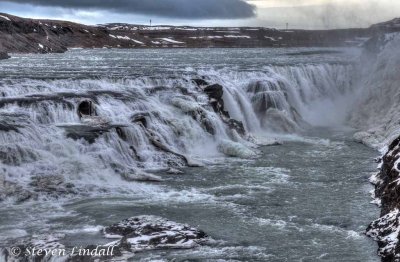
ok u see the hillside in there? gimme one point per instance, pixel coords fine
(24, 35)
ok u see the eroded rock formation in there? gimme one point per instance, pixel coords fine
(386, 229)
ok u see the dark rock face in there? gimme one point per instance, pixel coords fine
(141, 117)
(4, 55)
(86, 108)
(215, 93)
(200, 82)
(237, 125)
(386, 229)
(151, 232)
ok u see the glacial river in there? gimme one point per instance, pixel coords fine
(306, 199)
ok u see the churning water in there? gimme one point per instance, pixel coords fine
(304, 200)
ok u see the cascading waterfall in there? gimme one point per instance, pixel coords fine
(148, 124)
(284, 98)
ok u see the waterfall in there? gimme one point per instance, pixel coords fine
(284, 98)
(105, 131)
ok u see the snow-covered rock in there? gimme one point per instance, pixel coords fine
(152, 232)
(386, 229)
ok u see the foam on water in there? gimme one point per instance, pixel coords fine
(276, 99)
(277, 103)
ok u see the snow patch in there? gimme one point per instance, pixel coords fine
(5, 17)
(169, 40)
(237, 36)
(386, 229)
(270, 38)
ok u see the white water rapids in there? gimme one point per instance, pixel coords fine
(151, 118)
(280, 99)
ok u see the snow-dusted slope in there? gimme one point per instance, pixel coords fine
(24, 35)
(377, 113)
(378, 109)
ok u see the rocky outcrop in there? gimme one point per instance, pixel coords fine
(376, 114)
(215, 94)
(4, 55)
(129, 236)
(143, 233)
(386, 229)
(152, 232)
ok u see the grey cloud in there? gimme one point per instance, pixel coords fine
(194, 9)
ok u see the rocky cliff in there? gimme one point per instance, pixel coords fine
(23, 35)
(386, 229)
(377, 113)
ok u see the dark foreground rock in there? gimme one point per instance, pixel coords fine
(4, 55)
(152, 232)
(144, 233)
(131, 235)
(386, 229)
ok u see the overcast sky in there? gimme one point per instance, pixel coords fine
(308, 14)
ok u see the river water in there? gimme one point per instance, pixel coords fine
(304, 200)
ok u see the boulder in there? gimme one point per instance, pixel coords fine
(214, 91)
(4, 55)
(152, 232)
(237, 125)
(200, 82)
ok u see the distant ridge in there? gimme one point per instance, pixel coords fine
(24, 35)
